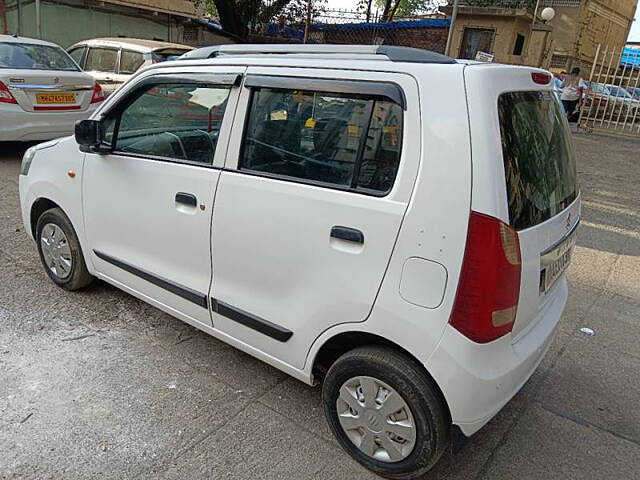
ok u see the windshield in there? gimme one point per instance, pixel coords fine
(35, 57)
(539, 166)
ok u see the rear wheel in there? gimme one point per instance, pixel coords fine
(60, 251)
(386, 412)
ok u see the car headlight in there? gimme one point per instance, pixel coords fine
(27, 159)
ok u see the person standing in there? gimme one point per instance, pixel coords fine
(572, 90)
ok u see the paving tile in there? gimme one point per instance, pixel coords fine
(547, 446)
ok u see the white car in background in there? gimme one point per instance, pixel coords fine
(43, 92)
(111, 61)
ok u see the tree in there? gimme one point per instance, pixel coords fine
(236, 16)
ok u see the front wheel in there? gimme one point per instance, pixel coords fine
(386, 412)
(60, 251)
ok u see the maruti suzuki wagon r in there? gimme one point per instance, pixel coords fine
(389, 222)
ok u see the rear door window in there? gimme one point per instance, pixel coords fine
(333, 139)
(77, 54)
(102, 60)
(539, 164)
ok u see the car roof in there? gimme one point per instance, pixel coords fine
(137, 44)
(32, 41)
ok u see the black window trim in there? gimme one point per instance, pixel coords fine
(314, 183)
(389, 90)
(210, 79)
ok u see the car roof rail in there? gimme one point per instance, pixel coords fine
(391, 52)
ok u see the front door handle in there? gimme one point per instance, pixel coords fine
(186, 199)
(348, 234)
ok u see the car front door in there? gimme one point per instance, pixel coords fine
(310, 203)
(148, 203)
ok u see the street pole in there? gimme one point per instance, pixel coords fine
(38, 21)
(19, 14)
(454, 15)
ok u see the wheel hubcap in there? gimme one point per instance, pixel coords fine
(376, 419)
(56, 250)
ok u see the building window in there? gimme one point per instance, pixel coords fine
(476, 40)
(519, 46)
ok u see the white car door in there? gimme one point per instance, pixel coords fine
(148, 203)
(310, 203)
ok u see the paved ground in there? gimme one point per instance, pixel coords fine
(99, 385)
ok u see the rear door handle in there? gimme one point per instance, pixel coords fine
(186, 199)
(348, 234)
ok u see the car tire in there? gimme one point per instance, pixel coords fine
(60, 251)
(396, 454)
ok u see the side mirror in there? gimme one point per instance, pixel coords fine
(90, 136)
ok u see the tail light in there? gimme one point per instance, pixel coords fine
(541, 78)
(487, 298)
(5, 94)
(98, 94)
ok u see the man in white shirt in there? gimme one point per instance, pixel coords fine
(572, 89)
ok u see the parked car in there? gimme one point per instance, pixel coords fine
(314, 207)
(609, 102)
(111, 61)
(624, 98)
(635, 92)
(42, 91)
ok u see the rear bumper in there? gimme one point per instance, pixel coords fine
(16, 125)
(478, 380)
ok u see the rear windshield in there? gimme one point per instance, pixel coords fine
(35, 57)
(539, 165)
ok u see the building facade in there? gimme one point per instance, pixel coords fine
(512, 32)
(504, 29)
(66, 22)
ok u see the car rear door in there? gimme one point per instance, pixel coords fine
(310, 203)
(102, 64)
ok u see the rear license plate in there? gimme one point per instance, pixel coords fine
(554, 262)
(55, 98)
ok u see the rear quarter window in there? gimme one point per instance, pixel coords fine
(539, 164)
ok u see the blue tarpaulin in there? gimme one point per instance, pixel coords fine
(630, 57)
(424, 23)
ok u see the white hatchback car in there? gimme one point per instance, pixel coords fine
(387, 221)
(43, 92)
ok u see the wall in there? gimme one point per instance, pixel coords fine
(579, 30)
(506, 26)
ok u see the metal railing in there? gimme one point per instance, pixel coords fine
(612, 100)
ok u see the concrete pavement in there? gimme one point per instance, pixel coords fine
(97, 384)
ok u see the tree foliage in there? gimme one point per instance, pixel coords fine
(405, 8)
(239, 16)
